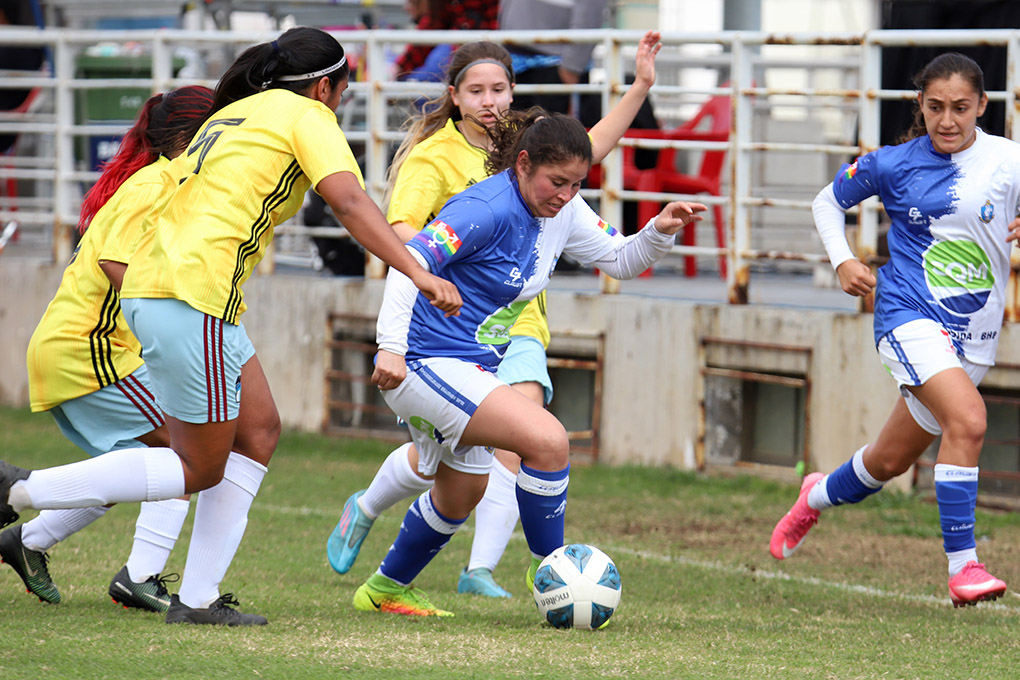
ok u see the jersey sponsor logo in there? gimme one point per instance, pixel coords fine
(441, 238)
(987, 212)
(915, 216)
(495, 329)
(959, 275)
(514, 278)
(606, 227)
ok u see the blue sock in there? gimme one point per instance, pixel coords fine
(956, 491)
(423, 534)
(542, 499)
(851, 482)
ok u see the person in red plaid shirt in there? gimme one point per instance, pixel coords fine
(437, 15)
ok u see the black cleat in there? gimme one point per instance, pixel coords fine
(218, 614)
(9, 474)
(150, 595)
(30, 565)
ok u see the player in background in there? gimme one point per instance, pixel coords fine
(84, 365)
(444, 153)
(499, 241)
(273, 134)
(952, 193)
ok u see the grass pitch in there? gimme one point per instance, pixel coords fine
(865, 597)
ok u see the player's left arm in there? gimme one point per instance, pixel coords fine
(608, 131)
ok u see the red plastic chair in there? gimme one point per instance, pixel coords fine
(665, 177)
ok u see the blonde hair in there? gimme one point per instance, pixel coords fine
(437, 111)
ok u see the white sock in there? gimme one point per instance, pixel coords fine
(394, 482)
(959, 559)
(495, 518)
(53, 526)
(156, 531)
(125, 476)
(221, 516)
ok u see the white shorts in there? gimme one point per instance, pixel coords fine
(436, 400)
(916, 351)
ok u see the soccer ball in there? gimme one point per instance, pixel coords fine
(577, 586)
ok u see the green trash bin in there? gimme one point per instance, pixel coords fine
(117, 106)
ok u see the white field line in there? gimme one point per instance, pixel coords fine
(732, 570)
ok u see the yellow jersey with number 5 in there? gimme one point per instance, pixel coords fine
(246, 171)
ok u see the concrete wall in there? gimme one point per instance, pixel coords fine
(652, 380)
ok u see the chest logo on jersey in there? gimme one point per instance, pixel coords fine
(959, 275)
(987, 212)
(514, 278)
(915, 216)
(441, 238)
(495, 329)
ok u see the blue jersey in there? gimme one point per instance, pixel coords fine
(486, 241)
(948, 255)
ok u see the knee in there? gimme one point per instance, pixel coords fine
(550, 449)
(888, 467)
(202, 474)
(968, 427)
(259, 442)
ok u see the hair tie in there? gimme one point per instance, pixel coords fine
(276, 47)
(497, 62)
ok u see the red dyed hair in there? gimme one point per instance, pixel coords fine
(165, 125)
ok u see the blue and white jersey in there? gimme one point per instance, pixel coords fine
(949, 259)
(486, 241)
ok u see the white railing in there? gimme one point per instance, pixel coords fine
(750, 59)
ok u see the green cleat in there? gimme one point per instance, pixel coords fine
(529, 576)
(150, 595)
(30, 565)
(380, 594)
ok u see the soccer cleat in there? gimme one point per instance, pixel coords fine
(793, 527)
(529, 575)
(217, 614)
(150, 595)
(9, 474)
(480, 582)
(30, 565)
(973, 584)
(380, 594)
(344, 543)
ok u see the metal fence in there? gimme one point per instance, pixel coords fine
(818, 76)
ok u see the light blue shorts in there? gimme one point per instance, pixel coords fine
(194, 359)
(525, 361)
(111, 418)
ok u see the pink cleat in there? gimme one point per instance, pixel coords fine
(974, 584)
(793, 527)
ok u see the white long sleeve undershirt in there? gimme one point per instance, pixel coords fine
(830, 221)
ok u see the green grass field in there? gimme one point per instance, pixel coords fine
(865, 597)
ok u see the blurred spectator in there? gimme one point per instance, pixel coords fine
(418, 61)
(545, 64)
(16, 58)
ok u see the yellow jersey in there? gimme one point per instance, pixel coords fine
(83, 343)
(435, 170)
(246, 171)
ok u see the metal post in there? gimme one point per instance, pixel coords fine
(871, 82)
(610, 206)
(737, 268)
(375, 152)
(64, 149)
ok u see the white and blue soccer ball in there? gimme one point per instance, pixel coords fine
(577, 586)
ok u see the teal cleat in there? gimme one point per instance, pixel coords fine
(344, 543)
(480, 582)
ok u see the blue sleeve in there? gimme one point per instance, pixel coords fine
(460, 229)
(857, 181)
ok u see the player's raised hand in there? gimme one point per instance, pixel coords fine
(855, 278)
(390, 370)
(677, 215)
(644, 62)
